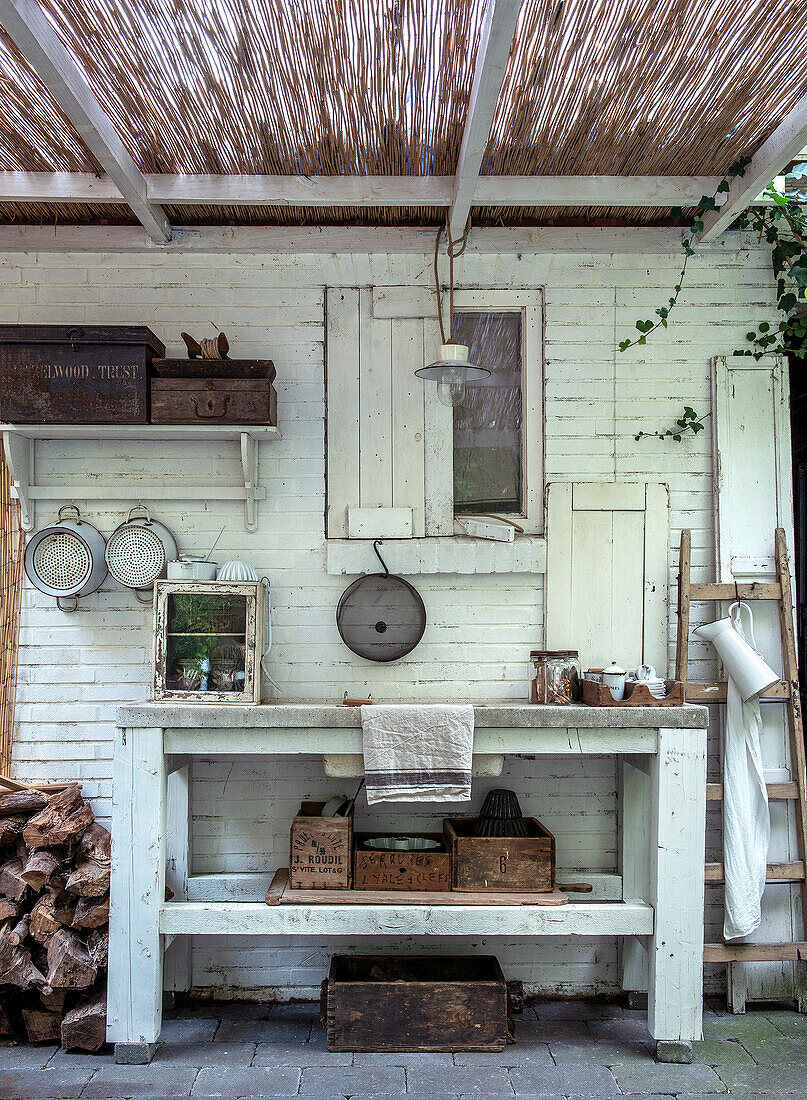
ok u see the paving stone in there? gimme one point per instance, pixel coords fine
(204, 1054)
(41, 1084)
(600, 1052)
(80, 1060)
(521, 1053)
(313, 1053)
(576, 1010)
(246, 1081)
(783, 1080)
(198, 1029)
(295, 1010)
(25, 1056)
(721, 1052)
(782, 1051)
(153, 1082)
(227, 1010)
(588, 1081)
(318, 1081)
(668, 1078)
(263, 1031)
(750, 1026)
(404, 1058)
(483, 1080)
(792, 1023)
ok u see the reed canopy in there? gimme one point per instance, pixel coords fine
(386, 88)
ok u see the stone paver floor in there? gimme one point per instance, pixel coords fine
(565, 1049)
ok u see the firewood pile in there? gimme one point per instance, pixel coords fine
(54, 919)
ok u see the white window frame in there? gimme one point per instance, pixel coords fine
(438, 427)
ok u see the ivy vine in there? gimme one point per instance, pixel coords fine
(688, 422)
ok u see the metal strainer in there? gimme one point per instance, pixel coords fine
(139, 549)
(381, 617)
(66, 560)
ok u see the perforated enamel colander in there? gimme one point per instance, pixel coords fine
(139, 549)
(66, 560)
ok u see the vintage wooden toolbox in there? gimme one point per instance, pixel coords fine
(76, 374)
(225, 391)
(415, 1003)
(401, 870)
(494, 864)
(321, 849)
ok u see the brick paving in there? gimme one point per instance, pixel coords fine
(577, 1051)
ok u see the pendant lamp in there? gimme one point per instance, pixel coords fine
(451, 370)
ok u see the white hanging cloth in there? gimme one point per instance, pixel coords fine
(746, 819)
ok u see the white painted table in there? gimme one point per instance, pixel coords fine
(656, 902)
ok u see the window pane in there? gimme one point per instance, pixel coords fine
(487, 425)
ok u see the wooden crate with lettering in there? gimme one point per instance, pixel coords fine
(495, 864)
(397, 870)
(321, 850)
(76, 374)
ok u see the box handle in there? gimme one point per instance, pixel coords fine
(210, 411)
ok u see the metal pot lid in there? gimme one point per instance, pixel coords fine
(381, 617)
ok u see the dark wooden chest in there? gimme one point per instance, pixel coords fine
(415, 1003)
(213, 400)
(76, 374)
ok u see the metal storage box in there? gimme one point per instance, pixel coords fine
(76, 374)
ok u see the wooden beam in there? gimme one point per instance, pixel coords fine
(782, 792)
(498, 31)
(598, 240)
(26, 23)
(773, 155)
(327, 191)
(777, 872)
(754, 952)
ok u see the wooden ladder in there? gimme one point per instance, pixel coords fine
(785, 691)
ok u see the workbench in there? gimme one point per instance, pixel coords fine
(655, 902)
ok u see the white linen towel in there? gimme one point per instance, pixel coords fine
(746, 819)
(418, 752)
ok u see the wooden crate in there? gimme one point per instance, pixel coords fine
(213, 400)
(76, 374)
(218, 368)
(500, 864)
(320, 849)
(393, 1003)
(376, 870)
(636, 695)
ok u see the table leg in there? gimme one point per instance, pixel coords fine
(635, 800)
(677, 888)
(134, 1013)
(178, 956)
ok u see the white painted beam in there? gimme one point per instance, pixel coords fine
(25, 22)
(773, 155)
(340, 239)
(327, 191)
(498, 29)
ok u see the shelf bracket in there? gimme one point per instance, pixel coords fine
(252, 491)
(19, 451)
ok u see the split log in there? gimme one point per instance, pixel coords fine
(98, 946)
(12, 885)
(66, 815)
(11, 830)
(69, 962)
(6, 1030)
(16, 965)
(40, 868)
(9, 910)
(22, 802)
(53, 999)
(91, 912)
(42, 1027)
(84, 1027)
(95, 844)
(90, 879)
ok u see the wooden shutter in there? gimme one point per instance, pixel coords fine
(606, 583)
(375, 420)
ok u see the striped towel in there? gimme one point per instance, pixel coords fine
(418, 753)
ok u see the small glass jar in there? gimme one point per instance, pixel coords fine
(555, 676)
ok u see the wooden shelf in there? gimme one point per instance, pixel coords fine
(19, 443)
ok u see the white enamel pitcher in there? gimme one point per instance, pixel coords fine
(740, 659)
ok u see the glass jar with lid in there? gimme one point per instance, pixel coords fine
(555, 676)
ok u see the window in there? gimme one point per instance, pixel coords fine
(488, 452)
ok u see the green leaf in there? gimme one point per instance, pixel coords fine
(707, 203)
(624, 345)
(697, 427)
(677, 213)
(764, 326)
(677, 438)
(689, 411)
(723, 186)
(750, 336)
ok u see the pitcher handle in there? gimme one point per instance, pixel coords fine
(741, 605)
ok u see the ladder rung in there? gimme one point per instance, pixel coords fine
(716, 693)
(754, 952)
(777, 872)
(753, 590)
(778, 791)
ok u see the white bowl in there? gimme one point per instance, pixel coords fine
(237, 571)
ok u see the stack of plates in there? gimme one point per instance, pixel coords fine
(656, 687)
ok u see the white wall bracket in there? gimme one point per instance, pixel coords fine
(19, 445)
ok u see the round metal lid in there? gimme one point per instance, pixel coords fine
(381, 617)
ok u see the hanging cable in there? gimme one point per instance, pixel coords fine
(437, 285)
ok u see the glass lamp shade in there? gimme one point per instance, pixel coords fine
(452, 371)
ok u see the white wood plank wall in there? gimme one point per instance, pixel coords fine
(75, 669)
